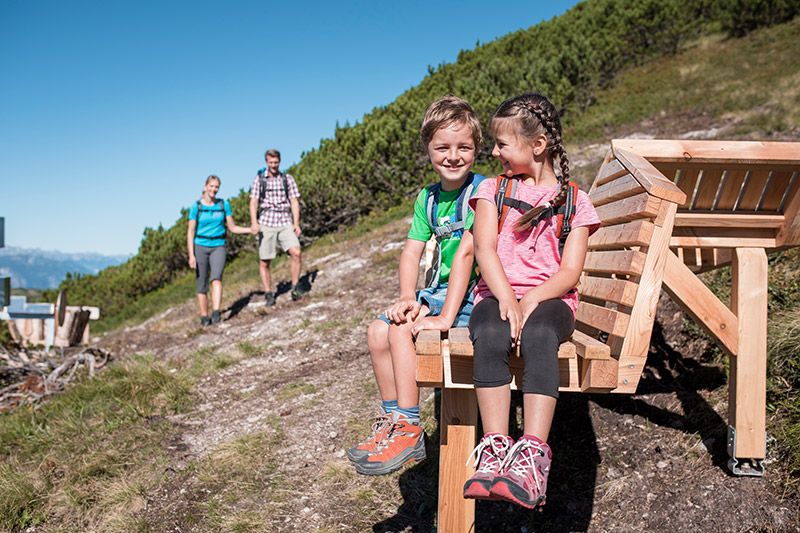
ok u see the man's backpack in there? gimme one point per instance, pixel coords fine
(262, 187)
(209, 209)
(505, 192)
(454, 227)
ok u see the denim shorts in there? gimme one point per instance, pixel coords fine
(433, 298)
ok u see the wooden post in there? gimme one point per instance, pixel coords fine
(748, 372)
(459, 417)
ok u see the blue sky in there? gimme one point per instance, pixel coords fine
(113, 113)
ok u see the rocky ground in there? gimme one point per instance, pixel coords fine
(654, 461)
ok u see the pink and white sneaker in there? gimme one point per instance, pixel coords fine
(523, 476)
(488, 456)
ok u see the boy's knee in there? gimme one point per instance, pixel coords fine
(377, 334)
(400, 333)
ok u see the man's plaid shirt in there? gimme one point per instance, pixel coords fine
(276, 211)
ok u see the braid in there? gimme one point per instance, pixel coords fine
(537, 115)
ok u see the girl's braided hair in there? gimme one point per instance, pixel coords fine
(535, 115)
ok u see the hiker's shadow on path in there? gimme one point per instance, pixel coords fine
(571, 481)
(306, 282)
(667, 371)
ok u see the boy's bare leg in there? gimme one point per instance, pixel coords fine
(494, 404)
(266, 278)
(297, 263)
(378, 343)
(538, 415)
(404, 362)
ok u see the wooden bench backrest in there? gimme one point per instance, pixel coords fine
(738, 193)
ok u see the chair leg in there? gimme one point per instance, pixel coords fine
(457, 430)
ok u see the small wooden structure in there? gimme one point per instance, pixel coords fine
(48, 324)
(670, 209)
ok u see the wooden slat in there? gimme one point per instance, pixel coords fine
(753, 190)
(609, 172)
(778, 184)
(640, 206)
(643, 312)
(720, 152)
(590, 348)
(636, 233)
(429, 370)
(429, 342)
(597, 375)
(728, 220)
(707, 237)
(622, 187)
(688, 184)
(461, 346)
(734, 178)
(651, 179)
(697, 300)
(615, 323)
(607, 289)
(627, 262)
(707, 189)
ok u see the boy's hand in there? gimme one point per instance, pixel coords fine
(297, 230)
(403, 310)
(510, 310)
(432, 322)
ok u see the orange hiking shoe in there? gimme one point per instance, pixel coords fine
(380, 430)
(405, 442)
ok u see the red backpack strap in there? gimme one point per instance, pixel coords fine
(502, 190)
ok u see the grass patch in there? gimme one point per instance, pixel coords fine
(293, 390)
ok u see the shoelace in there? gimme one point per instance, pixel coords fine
(526, 450)
(390, 436)
(381, 422)
(498, 444)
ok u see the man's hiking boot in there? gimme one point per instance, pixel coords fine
(298, 291)
(405, 442)
(269, 299)
(489, 455)
(215, 317)
(205, 321)
(380, 430)
(523, 478)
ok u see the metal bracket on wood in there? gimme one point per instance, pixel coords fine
(747, 467)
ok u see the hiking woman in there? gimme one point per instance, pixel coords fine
(209, 219)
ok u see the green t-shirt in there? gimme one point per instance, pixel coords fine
(421, 229)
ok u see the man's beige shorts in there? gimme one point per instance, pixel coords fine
(271, 237)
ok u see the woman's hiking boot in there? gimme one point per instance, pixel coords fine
(215, 317)
(405, 442)
(488, 455)
(205, 321)
(380, 430)
(523, 478)
(269, 299)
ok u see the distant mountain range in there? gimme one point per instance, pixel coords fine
(44, 269)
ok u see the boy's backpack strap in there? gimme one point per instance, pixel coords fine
(432, 202)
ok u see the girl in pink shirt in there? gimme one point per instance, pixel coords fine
(527, 296)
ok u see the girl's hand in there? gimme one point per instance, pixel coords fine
(528, 307)
(510, 310)
(403, 310)
(432, 322)
(192, 262)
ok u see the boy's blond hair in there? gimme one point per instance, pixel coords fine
(445, 112)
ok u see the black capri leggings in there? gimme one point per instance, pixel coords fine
(210, 264)
(550, 324)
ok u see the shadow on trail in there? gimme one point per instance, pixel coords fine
(306, 281)
(572, 480)
(669, 371)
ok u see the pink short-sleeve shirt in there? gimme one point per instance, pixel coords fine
(529, 258)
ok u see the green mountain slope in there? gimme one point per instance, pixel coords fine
(378, 162)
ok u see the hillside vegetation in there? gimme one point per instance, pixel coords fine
(378, 162)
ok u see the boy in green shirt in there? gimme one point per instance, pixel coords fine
(451, 134)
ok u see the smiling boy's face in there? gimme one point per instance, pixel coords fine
(452, 153)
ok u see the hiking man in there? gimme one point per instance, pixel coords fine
(275, 215)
